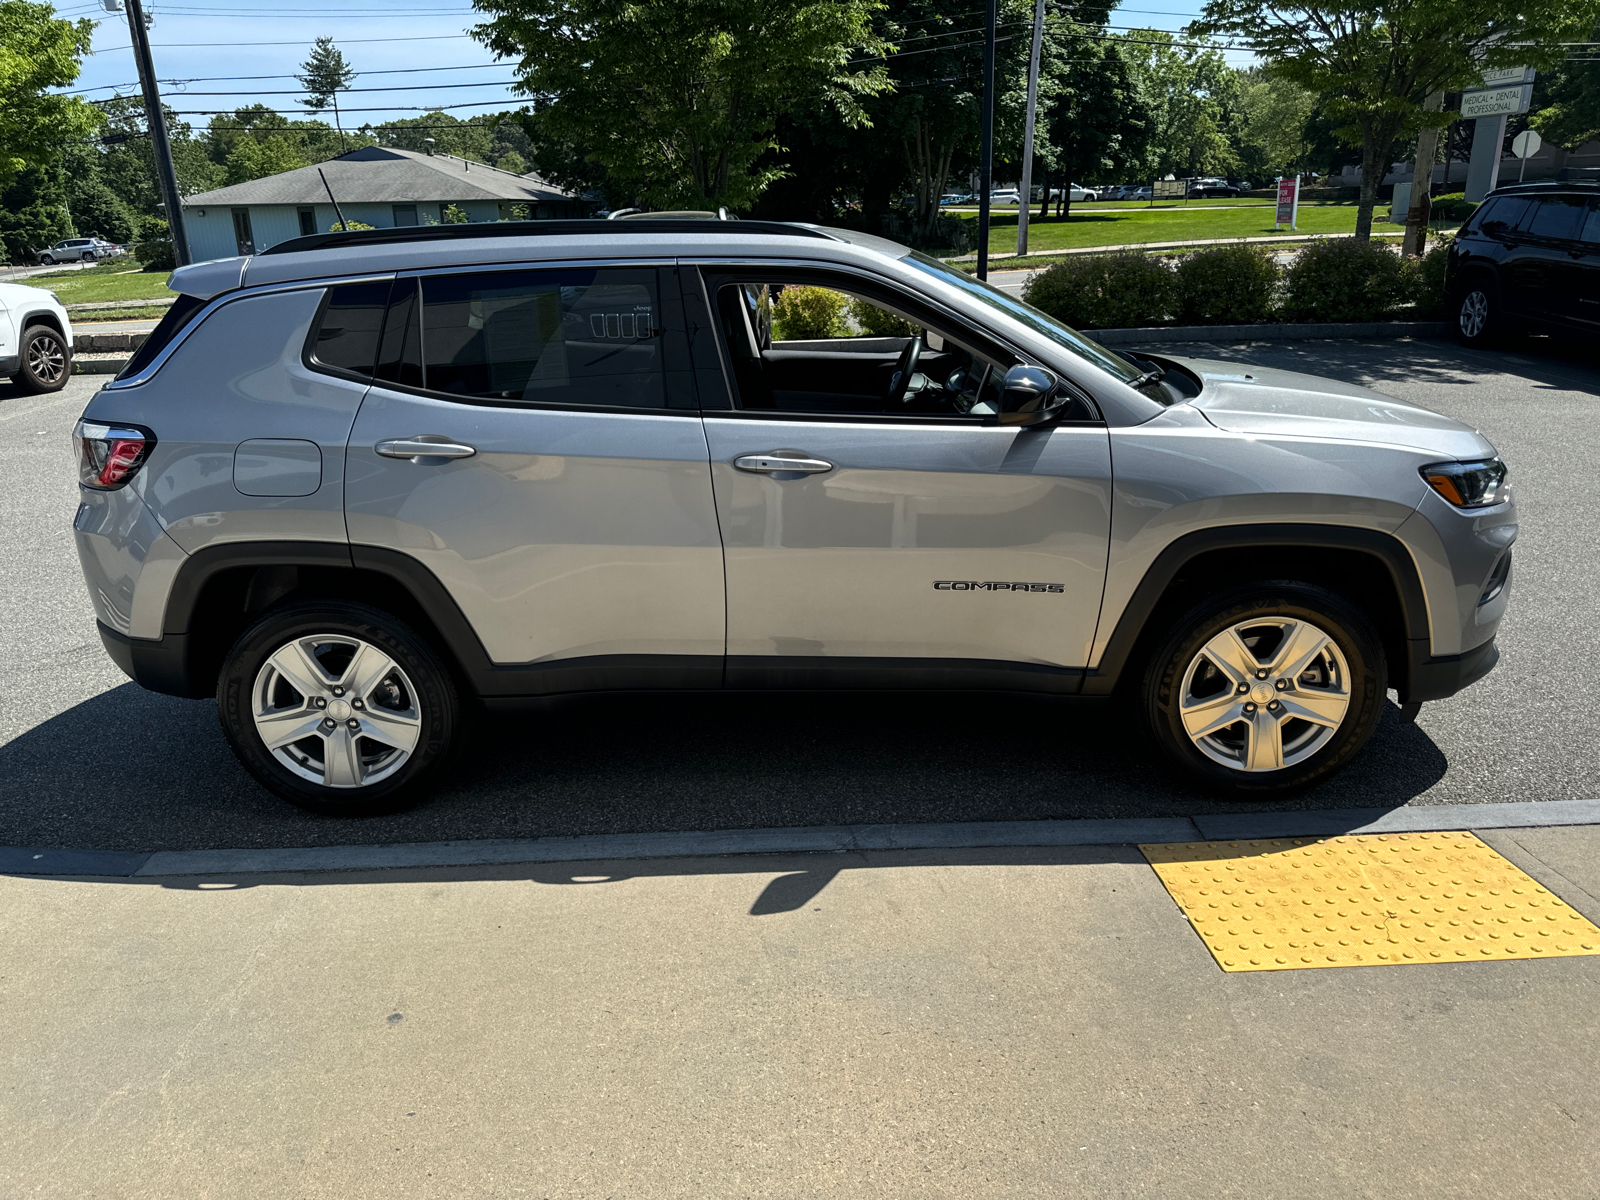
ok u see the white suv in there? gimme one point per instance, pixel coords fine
(35, 338)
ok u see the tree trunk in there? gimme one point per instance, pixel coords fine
(1044, 186)
(1377, 140)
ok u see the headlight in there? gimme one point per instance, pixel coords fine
(1468, 484)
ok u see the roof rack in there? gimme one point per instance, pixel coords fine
(493, 229)
(1547, 185)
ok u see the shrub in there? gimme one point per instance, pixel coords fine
(1343, 280)
(800, 313)
(1230, 285)
(341, 226)
(1422, 279)
(1123, 290)
(1452, 207)
(875, 322)
(154, 250)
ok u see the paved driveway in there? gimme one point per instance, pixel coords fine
(89, 760)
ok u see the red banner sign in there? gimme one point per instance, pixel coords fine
(1287, 195)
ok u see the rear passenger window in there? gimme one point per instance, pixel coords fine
(1559, 217)
(348, 327)
(581, 337)
(1500, 215)
(1591, 224)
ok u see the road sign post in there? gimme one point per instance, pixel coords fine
(1288, 204)
(1525, 145)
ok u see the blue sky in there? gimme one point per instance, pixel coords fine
(415, 50)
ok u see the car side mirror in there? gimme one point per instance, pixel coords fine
(1030, 396)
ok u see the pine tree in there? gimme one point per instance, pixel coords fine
(326, 75)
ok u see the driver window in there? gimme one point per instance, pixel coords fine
(807, 349)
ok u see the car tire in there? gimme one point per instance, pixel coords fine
(46, 260)
(46, 361)
(88, 256)
(1293, 725)
(1478, 321)
(326, 669)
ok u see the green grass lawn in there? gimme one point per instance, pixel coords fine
(1136, 226)
(123, 282)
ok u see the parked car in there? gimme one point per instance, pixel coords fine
(1077, 194)
(598, 471)
(1144, 192)
(955, 198)
(77, 250)
(35, 338)
(1005, 196)
(1210, 187)
(1529, 257)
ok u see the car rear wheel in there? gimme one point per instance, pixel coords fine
(1267, 689)
(338, 707)
(1478, 314)
(45, 360)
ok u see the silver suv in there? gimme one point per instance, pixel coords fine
(359, 482)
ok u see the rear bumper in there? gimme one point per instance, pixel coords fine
(1437, 678)
(161, 666)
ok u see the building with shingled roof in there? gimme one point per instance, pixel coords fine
(379, 186)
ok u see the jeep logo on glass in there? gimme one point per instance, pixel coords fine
(972, 585)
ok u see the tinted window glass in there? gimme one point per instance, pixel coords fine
(1591, 224)
(347, 334)
(1558, 217)
(564, 337)
(1501, 215)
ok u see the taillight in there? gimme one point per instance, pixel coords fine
(108, 455)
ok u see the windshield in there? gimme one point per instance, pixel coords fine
(1018, 309)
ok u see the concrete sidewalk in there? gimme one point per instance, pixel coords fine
(1025, 1022)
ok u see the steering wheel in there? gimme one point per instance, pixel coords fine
(904, 367)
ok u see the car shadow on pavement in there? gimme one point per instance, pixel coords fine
(134, 771)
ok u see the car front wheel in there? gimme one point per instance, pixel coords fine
(1478, 314)
(1266, 689)
(45, 361)
(338, 707)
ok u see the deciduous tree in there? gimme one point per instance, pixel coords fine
(1374, 62)
(679, 99)
(39, 52)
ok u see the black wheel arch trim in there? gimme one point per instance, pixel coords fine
(1386, 548)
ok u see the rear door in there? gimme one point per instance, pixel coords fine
(533, 441)
(1551, 256)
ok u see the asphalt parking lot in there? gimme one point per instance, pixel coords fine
(89, 760)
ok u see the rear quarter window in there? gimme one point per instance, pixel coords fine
(345, 335)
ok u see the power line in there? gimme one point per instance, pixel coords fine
(243, 78)
(237, 45)
(228, 112)
(399, 87)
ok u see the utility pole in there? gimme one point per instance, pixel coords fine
(155, 119)
(1026, 197)
(1421, 207)
(986, 157)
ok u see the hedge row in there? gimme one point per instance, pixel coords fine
(1342, 280)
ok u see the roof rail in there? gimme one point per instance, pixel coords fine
(492, 229)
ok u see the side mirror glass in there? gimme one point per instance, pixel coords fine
(1030, 396)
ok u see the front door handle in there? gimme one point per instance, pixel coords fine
(423, 447)
(780, 461)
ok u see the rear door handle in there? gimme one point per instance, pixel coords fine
(424, 447)
(782, 460)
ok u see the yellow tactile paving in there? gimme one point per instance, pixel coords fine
(1365, 901)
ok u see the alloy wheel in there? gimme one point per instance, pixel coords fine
(1474, 313)
(47, 359)
(336, 710)
(1265, 694)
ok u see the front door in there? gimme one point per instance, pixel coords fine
(878, 526)
(567, 508)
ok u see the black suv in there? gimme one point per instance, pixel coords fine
(1530, 258)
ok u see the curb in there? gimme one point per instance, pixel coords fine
(20, 860)
(98, 366)
(92, 343)
(1271, 333)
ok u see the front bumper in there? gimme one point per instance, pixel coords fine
(1436, 678)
